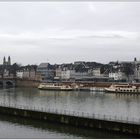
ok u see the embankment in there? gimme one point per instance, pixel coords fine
(27, 83)
(123, 127)
(34, 83)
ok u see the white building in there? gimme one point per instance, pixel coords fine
(58, 72)
(81, 75)
(96, 72)
(67, 74)
(71, 74)
(26, 74)
(137, 72)
(29, 74)
(6, 73)
(19, 74)
(117, 75)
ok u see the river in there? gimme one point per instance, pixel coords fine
(89, 102)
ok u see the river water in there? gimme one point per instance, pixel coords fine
(90, 102)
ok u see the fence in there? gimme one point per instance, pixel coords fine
(121, 119)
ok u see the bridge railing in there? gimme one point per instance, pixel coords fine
(81, 114)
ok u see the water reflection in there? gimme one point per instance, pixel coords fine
(27, 128)
(92, 102)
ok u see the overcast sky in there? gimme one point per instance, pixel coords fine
(60, 32)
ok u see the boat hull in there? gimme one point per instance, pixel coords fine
(125, 92)
(58, 88)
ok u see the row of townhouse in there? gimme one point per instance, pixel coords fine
(118, 76)
(77, 71)
(114, 71)
(126, 71)
(70, 74)
(28, 73)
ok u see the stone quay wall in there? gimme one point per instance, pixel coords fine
(69, 119)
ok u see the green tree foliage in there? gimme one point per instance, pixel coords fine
(14, 68)
(128, 69)
(105, 68)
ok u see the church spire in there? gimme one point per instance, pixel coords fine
(4, 61)
(9, 60)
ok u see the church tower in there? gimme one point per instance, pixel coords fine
(4, 61)
(9, 60)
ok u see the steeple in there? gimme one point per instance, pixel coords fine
(4, 61)
(9, 60)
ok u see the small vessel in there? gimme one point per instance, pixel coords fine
(122, 89)
(46, 86)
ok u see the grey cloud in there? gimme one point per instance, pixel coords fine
(103, 36)
(68, 31)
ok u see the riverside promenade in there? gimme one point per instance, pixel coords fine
(78, 119)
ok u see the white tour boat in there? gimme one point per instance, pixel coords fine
(122, 89)
(47, 86)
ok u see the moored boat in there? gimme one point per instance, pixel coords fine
(46, 86)
(114, 88)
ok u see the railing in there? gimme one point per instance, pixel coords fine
(121, 119)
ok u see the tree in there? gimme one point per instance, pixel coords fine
(128, 69)
(105, 68)
(14, 69)
(35, 68)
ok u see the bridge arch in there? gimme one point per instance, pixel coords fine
(9, 83)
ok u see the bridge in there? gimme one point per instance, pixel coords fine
(75, 118)
(7, 82)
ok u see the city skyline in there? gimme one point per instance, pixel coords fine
(63, 32)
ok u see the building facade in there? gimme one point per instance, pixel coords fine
(117, 76)
(46, 71)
